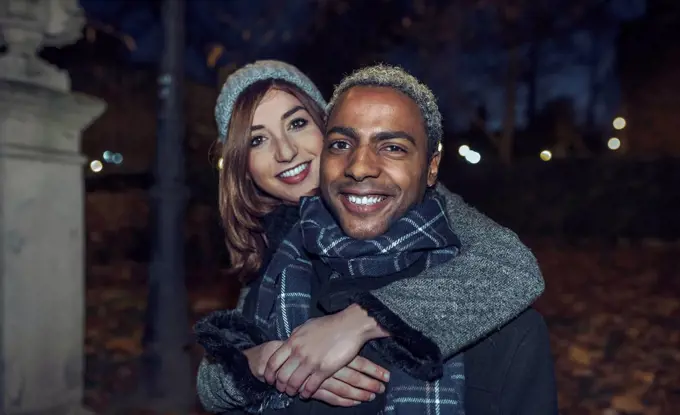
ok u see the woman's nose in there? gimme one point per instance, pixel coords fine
(286, 150)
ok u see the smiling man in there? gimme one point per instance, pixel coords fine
(379, 168)
(378, 160)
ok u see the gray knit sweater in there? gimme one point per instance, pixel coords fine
(493, 278)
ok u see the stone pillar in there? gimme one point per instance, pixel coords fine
(42, 295)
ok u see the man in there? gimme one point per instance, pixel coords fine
(378, 172)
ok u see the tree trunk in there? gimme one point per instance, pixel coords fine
(532, 81)
(593, 81)
(166, 378)
(505, 148)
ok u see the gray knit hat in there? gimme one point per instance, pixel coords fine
(263, 70)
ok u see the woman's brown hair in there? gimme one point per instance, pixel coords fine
(242, 204)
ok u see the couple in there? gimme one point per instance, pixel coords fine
(370, 289)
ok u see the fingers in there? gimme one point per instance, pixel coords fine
(284, 373)
(355, 374)
(275, 362)
(369, 368)
(298, 378)
(345, 391)
(333, 399)
(312, 385)
(359, 380)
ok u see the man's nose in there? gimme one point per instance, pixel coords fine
(363, 164)
(286, 150)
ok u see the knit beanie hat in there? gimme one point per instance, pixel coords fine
(263, 70)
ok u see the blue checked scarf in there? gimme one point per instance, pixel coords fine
(285, 294)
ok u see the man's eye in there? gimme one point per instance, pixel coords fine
(339, 145)
(298, 124)
(393, 148)
(256, 141)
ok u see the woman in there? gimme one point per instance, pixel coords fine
(270, 118)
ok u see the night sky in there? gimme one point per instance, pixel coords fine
(463, 80)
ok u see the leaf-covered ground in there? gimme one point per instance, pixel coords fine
(614, 316)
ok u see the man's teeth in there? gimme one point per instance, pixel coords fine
(365, 200)
(294, 171)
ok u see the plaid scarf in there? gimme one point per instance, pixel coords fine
(285, 293)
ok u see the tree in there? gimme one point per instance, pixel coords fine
(529, 39)
(219, 33)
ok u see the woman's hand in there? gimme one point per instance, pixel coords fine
(259, 355)
(349, 386)
(319, 348)
(352, 384)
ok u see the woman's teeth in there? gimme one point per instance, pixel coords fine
(365, 200)
(294, 171)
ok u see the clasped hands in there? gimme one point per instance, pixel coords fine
(319, 360)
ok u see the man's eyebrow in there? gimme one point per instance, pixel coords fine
(346, 131)
(283, 117)
(390, 135)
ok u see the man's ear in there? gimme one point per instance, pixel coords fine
(433, 169)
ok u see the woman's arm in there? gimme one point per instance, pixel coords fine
(224, 380)
(491, 280)
(216, 388)
(231, 376)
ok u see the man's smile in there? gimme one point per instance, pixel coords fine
(364, 204)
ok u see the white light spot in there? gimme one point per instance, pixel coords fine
(619, 123)
(614, 143)
(96, 166)
(473, 157)
(220, 163)
(546, 155)
(463, 150)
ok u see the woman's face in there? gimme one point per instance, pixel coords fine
(285, 146)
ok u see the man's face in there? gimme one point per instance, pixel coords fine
(375, 164)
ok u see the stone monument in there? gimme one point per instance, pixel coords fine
(42, 295)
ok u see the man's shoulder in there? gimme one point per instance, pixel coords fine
(526, 327)
(512, 370)
(519, 339)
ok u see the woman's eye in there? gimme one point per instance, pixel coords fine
(256, 141)
(339, 145)
(298, 123)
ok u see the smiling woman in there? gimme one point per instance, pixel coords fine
(273, 144)
(285, 145)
